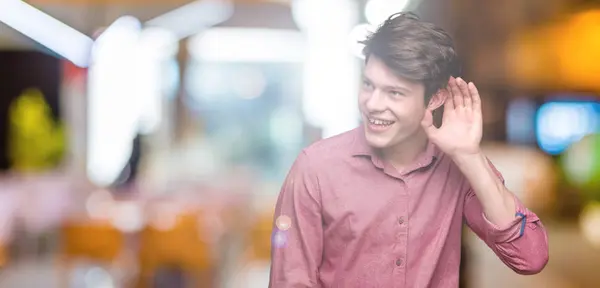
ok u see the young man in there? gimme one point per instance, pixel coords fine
(383, 205)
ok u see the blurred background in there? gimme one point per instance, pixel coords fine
(143, 143)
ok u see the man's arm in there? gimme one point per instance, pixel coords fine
(495, 214)
(296, 245)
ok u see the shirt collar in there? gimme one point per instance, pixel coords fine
(360, 147)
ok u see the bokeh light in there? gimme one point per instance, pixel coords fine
(283, 222)
(127, 216)
(559, 124)
(280, 238)
(581, 164)
(589, 223)
(99, 205)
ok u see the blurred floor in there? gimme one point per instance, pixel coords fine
(31, 274)
(573, 263)
(45, 273)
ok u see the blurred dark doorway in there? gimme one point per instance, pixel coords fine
(19, 71)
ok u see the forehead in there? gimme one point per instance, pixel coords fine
(381, 75)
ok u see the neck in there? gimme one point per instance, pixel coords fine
(406, 152)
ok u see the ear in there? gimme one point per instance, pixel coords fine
(438, 99)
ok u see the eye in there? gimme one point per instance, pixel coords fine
(367, 85)
(396, 93)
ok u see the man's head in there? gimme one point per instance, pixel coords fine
(408, 64)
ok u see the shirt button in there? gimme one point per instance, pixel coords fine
(401, 220)
(398, 262)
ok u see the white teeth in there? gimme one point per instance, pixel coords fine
(380, 122)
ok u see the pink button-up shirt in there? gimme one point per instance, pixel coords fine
(346, 218)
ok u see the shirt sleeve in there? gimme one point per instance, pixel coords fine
(297, 242)
(521, 244)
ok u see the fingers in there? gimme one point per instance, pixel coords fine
(457, 97)
(475, 98)
(464, 95)
(448, 102)
(464, 90)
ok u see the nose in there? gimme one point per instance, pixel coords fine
(375, 102)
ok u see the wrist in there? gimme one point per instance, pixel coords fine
(466, 157)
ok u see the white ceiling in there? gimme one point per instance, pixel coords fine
(88, 19)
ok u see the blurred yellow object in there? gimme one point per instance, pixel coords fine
(3, 256)
(181, 244)
(91, 240)
(529, 58)
(561, 55)
(529, 173)
(260, 238)
(578, 47)
(36, 141)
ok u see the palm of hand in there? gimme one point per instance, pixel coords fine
(461, 129)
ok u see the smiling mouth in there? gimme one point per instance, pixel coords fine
(379, 125)
(380, 122)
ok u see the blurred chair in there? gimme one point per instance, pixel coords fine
(95, 241)
(180, 244)
(253, 268)
(259, 239)
(3, 255)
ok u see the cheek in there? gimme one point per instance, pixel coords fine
(402, 112)
(408, 113)
(362, 99)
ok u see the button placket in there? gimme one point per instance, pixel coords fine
(402, 218)
(402, 221)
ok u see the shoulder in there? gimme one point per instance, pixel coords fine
(333, 148)
(324, 154)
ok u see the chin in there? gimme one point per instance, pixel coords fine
(378, 141)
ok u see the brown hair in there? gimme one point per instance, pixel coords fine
(415, 50)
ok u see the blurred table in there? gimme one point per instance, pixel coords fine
(573, 263)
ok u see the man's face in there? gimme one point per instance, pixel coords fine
(391, 107)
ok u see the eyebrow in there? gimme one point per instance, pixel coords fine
(388, 87)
